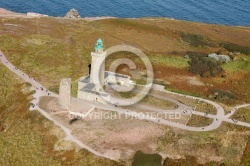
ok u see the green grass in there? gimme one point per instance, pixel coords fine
(207, 108)
(188, 161)
(197, 40)
(239, 65)
(169, 60)
(130, 24)
(127, 95)
(156, 102)
(51, 49)
(142, 159)
(236, 48)
(242, 114)
(199, 121)
(74, 88)
(30, 138)
(245, 160)
(182, 91)
(213, 143)
(141, 81)
(54, 88)
(48, 56)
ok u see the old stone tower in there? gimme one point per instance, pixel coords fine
(65, 93)
(98, 59)
(90, 87)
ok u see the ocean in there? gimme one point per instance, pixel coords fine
(227, 12)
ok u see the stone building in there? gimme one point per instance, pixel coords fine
(65, 93)
(91, 87)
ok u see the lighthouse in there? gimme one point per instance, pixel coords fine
(98, 65)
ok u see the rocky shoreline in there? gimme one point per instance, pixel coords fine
(4, 13)
(72, 14)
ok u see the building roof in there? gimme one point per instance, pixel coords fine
(89, 88)
(107, 73)
(86, 79)
(99, 44)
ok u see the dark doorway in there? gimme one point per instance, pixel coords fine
(89, 69)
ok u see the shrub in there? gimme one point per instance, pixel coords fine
(194, 53)
(236, 48)
(142, 159)
(197, 40)
(189, 161)
(221, 94)
(204, 66)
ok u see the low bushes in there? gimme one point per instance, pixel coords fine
(205, 66)
(236, 48)
(197, 40)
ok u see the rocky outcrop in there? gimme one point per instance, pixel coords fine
(73, 13)
(223, 58)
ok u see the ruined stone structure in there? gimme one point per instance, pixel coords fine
(91, 87)
(73, 13)
(65, 93)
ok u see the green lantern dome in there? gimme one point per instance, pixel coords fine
(99, 44)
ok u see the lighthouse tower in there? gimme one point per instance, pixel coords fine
(98, 65)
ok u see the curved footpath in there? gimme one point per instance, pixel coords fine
(42, 91)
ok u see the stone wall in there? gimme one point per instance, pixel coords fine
(65, 93)
(94, 97)
(118, 78)
(158, 87)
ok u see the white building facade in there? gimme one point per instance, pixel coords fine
(91, 87)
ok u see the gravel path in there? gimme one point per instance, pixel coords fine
(42, 91)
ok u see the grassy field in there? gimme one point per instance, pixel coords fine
(74, 88)
(149, 100)
(50, 49)
(207, 108)
(157, 103)
(242, 114)
(29, 138)
(240, 65)
(225, 145)
(141, 159)
(199, 121)
(169, 60)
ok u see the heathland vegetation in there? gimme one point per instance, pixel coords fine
(27, 137)
(49, 49)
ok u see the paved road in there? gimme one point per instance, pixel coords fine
(235, 109)
(217, 119)
(42, 91)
